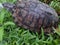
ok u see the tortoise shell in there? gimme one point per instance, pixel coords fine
(32, 15)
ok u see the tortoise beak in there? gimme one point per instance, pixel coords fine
(8, 6)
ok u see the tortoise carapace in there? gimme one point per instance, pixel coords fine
(32, 15)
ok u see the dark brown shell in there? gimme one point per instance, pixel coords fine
(33, 14)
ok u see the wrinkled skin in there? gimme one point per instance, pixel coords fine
(32, 15)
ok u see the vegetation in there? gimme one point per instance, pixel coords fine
(11, 34)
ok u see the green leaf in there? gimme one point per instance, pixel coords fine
(9, 23)
(2, 13)
(1, 33)
(42, 34)
(56, 31)
(55, 5)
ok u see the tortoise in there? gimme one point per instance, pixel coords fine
(33, 15)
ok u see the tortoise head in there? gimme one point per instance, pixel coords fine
(9, 6)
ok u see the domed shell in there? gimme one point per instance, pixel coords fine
(33, 14)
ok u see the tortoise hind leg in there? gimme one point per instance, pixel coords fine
(48, 30)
